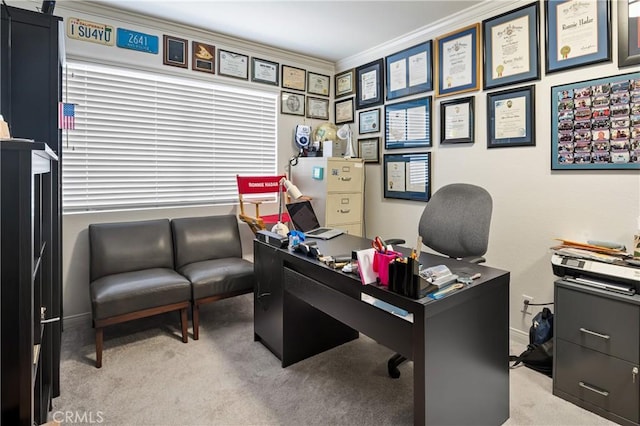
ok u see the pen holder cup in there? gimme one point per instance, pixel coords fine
(381, 264)
(404, 278)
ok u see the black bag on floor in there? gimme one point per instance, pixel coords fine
(539, 353)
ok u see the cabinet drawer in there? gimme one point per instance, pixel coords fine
(344, 208)
(351, 228)
(601, 380)
(344, 176)
(606, 325)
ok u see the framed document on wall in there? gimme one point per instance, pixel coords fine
(407, 176)
(457, 121)
(511, 118)
(511, 47)
(408, 124)
(369, 79)
(410, 71)
(577, 33)
(628, 35)
(458, 63)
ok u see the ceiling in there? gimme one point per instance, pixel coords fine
(330, 30)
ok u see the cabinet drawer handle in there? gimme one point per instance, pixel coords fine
(47, 321)
(593, 333)
(345, 178)
(344, 210)
(598, 391)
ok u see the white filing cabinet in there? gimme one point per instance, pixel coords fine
(336, 186)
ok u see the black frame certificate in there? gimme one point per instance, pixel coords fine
(232, 64)
(369, 121)
(369, 87)
(318, 84)
(511, 118)
(457, 121)
(369, 149)
(407, 176)
(266, 72)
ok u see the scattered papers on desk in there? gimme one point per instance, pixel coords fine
(365, 266)
(399, 312)
(584, 254)
(590, 247)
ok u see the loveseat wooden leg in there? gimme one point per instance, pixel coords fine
(196, 321)
(184, 323)
(98, 347)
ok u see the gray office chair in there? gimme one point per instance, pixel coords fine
(455, 222)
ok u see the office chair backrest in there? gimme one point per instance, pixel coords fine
(455, 221)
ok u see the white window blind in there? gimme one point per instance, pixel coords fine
(145, 140)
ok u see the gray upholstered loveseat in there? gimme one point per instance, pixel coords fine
(144, 268)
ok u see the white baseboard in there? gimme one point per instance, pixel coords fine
(77, 321)
(519, 336)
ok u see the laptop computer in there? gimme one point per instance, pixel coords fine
(304, 219)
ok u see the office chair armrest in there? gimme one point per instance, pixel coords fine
(474, 259)
(395, 241)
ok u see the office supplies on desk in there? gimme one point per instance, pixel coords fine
(438, 275)
(365, 266)
(446, 291)
(381, 261)
(304, 219)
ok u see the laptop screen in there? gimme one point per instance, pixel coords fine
(302, 215)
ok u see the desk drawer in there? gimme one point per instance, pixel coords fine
(598, 379)
(344, 208)
(606, 325)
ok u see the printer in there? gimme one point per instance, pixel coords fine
(596, 270)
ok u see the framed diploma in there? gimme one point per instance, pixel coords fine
(233, 65)
(410, 71)
(457, 121)
(175, 51)
(407, 176)
(292, 103)
(511, 47)
(318, 84)
(345, 83)
(408, 124)
(344, 111)
(511, 118)
(458, 65)
(203, 57)
(628, 35)
(294, 78)
(266, 72)
(369, 150)
(595, 124)
(577, 33)
(369, 121)
(369, 84)
(317, 108)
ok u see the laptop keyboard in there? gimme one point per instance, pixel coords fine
(317, 231)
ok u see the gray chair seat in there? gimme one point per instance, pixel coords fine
(128, 292)
(219, 276)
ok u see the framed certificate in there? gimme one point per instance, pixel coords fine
(266, 72)
(369, 78)
(318, 84)
(410, 71)
(292, 103)
(577, 33)
(458, 65)
(344, 111)
(407, 176)
(628, 36)
(175, 51)
(294, 78)
(345, 83)
(317, 108)
(457, 121)
(203, 57)
(408, 124)
(233, 65)
(369, 150)
(595, 124)
(511, 47)
(369, 121)
(511, 118)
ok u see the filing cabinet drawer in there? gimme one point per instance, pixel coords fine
(604, 324)
(351, 228)
(344, 208)
(344, 176)
(598, 379)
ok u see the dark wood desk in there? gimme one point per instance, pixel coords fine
(459, 345)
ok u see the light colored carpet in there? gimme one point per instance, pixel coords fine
(149, 377)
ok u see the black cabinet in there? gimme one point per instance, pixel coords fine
(30, 87)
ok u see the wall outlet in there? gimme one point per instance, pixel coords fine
(525, 304)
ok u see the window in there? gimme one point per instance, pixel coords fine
(145, 140)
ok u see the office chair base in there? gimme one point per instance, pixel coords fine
(393, 364)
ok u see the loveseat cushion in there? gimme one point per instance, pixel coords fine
(134, 291)
(130, 246)
(205, 238)
(219, 276)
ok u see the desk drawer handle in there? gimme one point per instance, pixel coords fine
(593, 333)
(598, 391)
(345, 178)
(344, 210)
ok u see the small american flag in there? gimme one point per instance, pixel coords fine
(66, 116)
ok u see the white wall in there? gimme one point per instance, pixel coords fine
(532, 204)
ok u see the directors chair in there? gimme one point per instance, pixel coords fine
(250, 186)
(455, 222)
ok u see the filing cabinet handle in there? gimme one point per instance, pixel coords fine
(344, 210)
(598, 391)
(593, 333)
(634, 373)
(345, 178)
